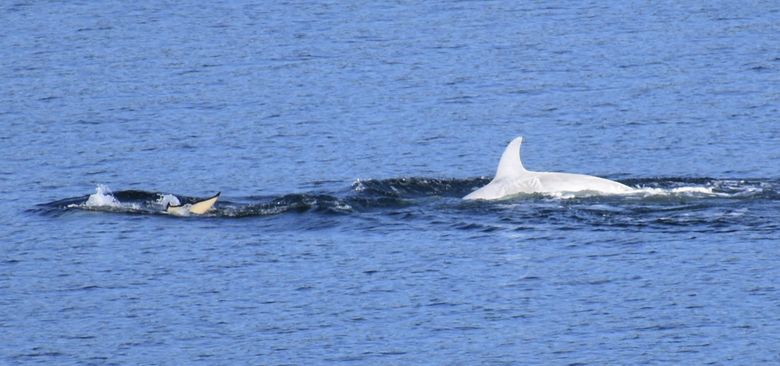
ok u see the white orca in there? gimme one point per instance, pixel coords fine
(512, 178)
(197, 208)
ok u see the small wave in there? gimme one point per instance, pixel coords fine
(288, 203)
(409, 187)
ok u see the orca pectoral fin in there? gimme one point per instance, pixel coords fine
(201, 207)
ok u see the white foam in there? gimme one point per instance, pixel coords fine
(643, 192)
(342, 206)
(102, 198)
(678, 191)
(165, 199)
(358, 186)
(564, 195)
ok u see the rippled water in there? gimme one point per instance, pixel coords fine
(342, 138)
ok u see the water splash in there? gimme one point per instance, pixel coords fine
(103, 197)
(166, 199)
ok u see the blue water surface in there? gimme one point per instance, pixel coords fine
(342, 137)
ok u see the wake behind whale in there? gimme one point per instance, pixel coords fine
(431, 195)
(511, 181)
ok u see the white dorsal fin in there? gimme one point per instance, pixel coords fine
(510, 164)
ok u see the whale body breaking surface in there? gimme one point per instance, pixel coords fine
(512, 179)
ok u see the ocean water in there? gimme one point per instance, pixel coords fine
(342, 137)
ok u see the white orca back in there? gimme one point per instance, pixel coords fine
(512, 178)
